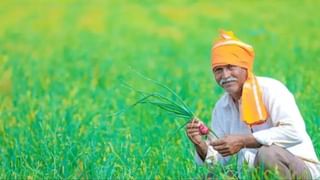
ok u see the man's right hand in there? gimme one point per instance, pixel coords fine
(194, 135)
(193, 131)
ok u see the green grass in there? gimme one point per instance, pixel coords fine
(63, 65)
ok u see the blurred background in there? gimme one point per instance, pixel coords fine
(63, 65)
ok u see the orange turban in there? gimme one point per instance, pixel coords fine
(230, 50)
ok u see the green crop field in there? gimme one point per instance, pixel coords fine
(65, 66)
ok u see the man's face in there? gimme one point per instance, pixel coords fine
(231, 78)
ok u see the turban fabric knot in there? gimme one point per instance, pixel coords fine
(228, 49)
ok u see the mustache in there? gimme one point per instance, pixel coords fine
(229, 79)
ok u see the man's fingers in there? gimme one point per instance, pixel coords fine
(223, 151)
(220, 148)
(194, 134)
(197, 121)
(192, 130)
(195, 137)
(193, 125)
(217, 143)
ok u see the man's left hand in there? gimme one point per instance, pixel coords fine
(228, 145)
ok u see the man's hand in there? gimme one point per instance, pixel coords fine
(228, 145)
(193, 131)
(194, 135)
(232, 144)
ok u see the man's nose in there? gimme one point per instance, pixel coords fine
(226, 73)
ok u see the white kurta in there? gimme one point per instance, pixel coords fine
(285, 126)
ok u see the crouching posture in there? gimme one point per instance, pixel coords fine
(257, 118)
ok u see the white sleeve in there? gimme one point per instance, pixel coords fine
(213, 157)
(288, 126)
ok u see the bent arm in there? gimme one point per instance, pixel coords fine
(249, 141)
(288, 125)
(202, 150)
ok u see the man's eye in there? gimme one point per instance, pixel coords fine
(217, 70)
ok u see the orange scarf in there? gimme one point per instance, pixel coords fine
(230, 50)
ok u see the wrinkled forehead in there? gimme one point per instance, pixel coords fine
(225, 66)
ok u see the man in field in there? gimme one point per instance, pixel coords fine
(257, 118)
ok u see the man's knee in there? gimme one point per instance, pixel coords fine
(263, 155)
(271, 157)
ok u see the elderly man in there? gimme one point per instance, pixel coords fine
(257, 118)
